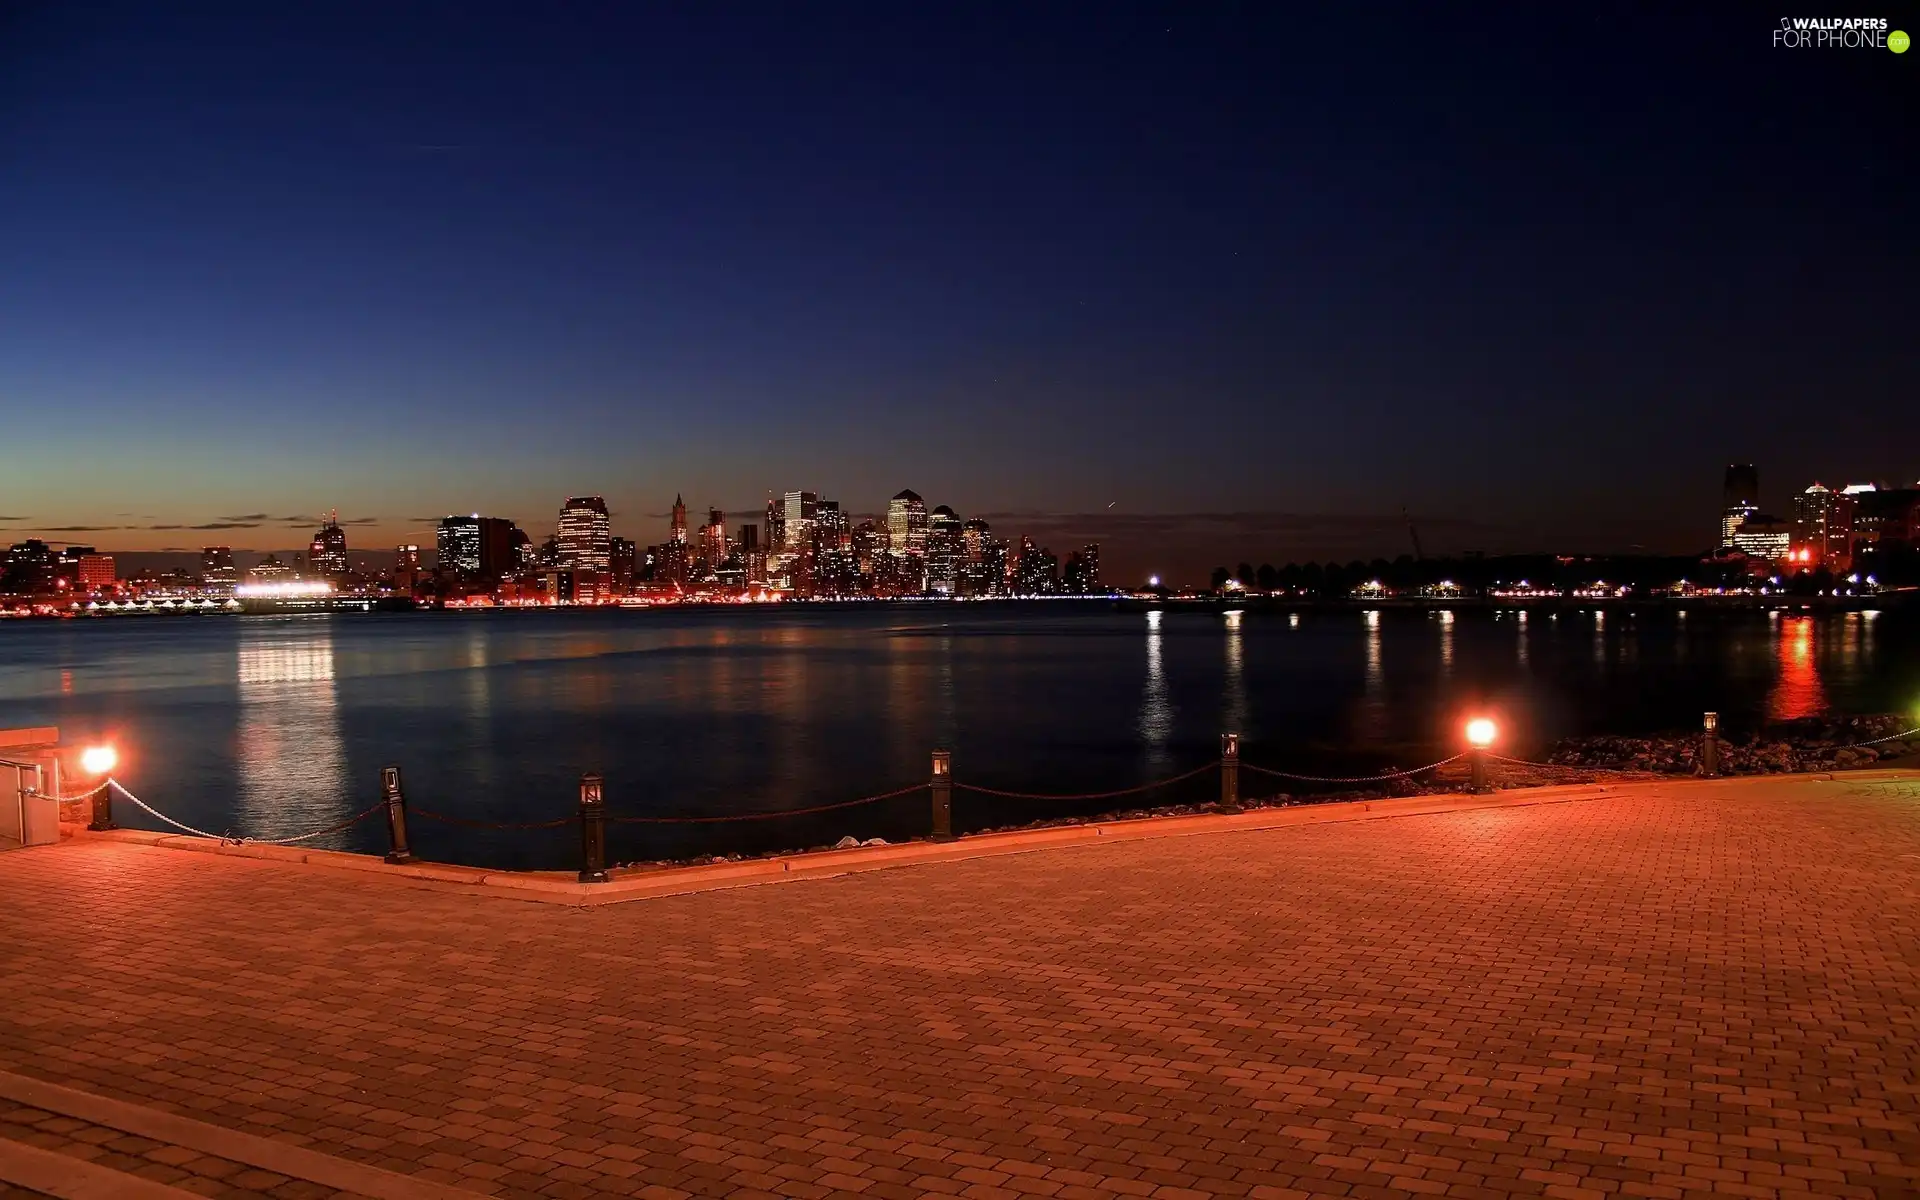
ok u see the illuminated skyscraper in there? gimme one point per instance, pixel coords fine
(975, 573)
(776, 527)
(753, 555)
(796, 520)
(833, 563)
(944, 551)
(584, 542)
(1739, 499)
(907, 539)
(327, 555)
(477, 549)
(217, 572)
(622, 563)
(679, 531)
(713, 539)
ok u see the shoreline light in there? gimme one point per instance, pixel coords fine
(98, 760)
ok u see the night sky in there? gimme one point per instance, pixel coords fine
(1252, 276)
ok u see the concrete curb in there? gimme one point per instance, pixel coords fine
(557, 887)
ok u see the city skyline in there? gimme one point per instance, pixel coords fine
(1170, 261)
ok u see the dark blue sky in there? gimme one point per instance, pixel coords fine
(1255, 277)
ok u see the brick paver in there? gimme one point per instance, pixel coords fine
(1674, 992)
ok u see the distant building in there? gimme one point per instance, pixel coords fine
(834, 572)
(976, 573)
(480, 550)
(907, 540)
(678, 529)
(1886, 517)
(776, 527)
(944, 551)
(1761, 536)
(218, 575)
(271, 570)
(96, 572)
(713, 540)
(327, 555)
(584, 542)
(406, 569)
(1036, 571)
(1090, 555)
(1080, 576)
(1739, 498)
(752, 554)
(623, 564)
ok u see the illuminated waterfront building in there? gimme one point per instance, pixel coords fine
(583, 540)
(406, 568)
(217, 572)
(869, 552)
(96, 573)
(776, 527)
(944, 551)
(479, 550)
(752, 554)
(907, 540)
(678, 530)
(834, 572)
(1739, 499)
(975, 574)
(327, 555)
(1036, 571)
(713, 540)
(622, 564)
(1761, 536)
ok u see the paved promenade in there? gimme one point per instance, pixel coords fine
(1676, 990)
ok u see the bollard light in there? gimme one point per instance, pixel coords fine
(1480, 735)
(1712, 721)
(941, 789)
(98, 760)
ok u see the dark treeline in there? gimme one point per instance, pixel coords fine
(1892, 567)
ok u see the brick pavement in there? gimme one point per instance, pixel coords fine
(1675, 991)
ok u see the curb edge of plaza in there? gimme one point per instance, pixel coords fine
(629, 884)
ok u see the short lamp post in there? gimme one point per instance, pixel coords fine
(1710, 744)
(1229, 769)
(593, 828)
(942, 787)
(396, 799)
(100, 761)
(1480, 735)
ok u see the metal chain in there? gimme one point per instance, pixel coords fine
(792, 812)
(1145, 787)
(95, 790)
(1876, 741)
(229, 838)
(1351, 778)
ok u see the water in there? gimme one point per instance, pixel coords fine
(269, 726)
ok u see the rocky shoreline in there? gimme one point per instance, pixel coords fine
(1810, 744)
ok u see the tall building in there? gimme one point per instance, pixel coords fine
(1090, 558)
(623, 564)
(583, 537)
(944, 551)
(796, 521)
(1761, 536)
(1080, 576)
(834, 573)
(327, 555)
(1739, 498)
(776, 527)
(753, 554)
(217, 572)
(1036, 571)
(479, 550)
(975, 571)
(677, 531)
(713, 540)
(907, 540)
(96, 572)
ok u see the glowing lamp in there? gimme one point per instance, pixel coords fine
(1153, 581)
(1480, 733)
(98, 760)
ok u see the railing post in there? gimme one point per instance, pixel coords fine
(1710, 744)
(593, 828)
(397, 851)
(1478, 757)
(103, 808)
(942, 787)
(1230, 769)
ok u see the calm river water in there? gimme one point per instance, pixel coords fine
(268, 726)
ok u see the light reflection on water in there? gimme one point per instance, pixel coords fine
(257, 724)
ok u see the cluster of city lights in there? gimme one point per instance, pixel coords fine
(284, 589)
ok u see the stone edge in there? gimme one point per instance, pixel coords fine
(555, 887)
(295, 1162)
(67, 1178)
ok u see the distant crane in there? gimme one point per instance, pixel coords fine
(1418, 554)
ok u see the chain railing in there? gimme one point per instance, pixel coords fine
(592, 816)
